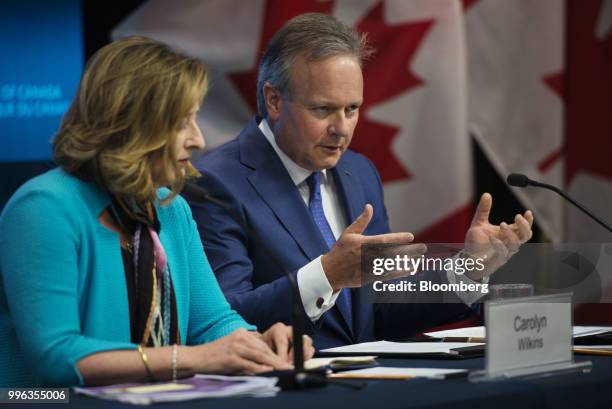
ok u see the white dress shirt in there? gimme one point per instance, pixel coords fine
(315, 291)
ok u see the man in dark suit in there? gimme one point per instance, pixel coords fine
(311, 201)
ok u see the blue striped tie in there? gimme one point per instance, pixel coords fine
(315, 206)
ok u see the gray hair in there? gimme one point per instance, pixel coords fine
(314, 36)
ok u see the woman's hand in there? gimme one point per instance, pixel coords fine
(241, 352)
(280, 338)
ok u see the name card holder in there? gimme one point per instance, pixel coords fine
(529, 337)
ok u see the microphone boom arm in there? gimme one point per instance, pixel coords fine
(518, 180)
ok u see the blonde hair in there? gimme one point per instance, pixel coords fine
(126, 114)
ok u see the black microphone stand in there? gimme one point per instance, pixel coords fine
(298, 377)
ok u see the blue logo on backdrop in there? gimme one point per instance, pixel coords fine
(42, 61)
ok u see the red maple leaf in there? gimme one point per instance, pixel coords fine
(276, 13)
(589, 95)
(555, 83)
(468, 3)
(385, 76)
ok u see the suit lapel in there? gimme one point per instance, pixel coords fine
(353, 199)
(274, 185)
(350, 190)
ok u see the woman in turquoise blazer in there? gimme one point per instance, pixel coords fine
(103, 276)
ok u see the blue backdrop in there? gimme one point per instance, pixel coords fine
(41, 48)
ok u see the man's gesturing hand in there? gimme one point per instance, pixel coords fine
(342, 264)
(495, 243)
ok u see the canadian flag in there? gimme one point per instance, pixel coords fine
(589, 117)
(589, 131)
(413, 124)
(516, 62)
(530, 80)
(540, 103)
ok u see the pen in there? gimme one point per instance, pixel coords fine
(464, 339)
(600, 352)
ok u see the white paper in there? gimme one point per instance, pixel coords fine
(467, 332)
(432, 373)
(382, 347)
(583, 331)
(594, 347)
(479, 332)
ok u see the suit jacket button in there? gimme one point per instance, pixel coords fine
(320, 302)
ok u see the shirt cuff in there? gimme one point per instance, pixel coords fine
(468, 297)
(315, 291)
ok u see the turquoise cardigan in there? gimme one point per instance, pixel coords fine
(63, 294)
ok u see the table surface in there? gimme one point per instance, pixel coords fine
(576, 390)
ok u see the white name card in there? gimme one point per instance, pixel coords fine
(528, 332)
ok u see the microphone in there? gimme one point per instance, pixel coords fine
(520, 180)
(299, 377)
